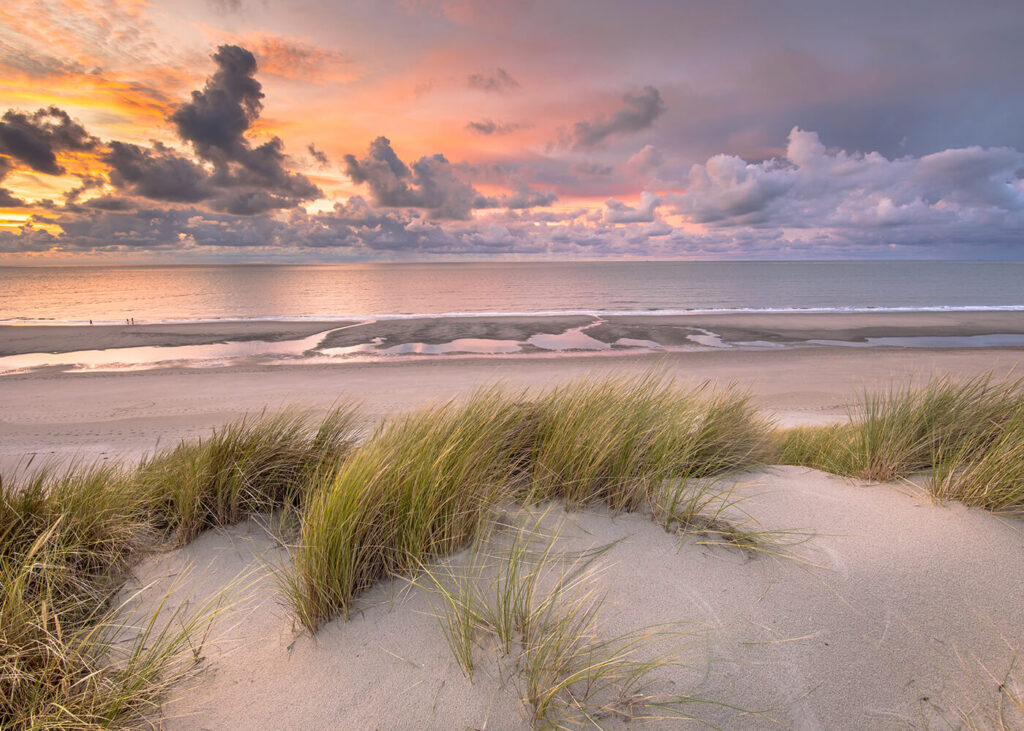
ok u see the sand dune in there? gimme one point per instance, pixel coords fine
(882, 610)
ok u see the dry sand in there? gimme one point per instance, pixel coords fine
(109, 415)
(892, 612)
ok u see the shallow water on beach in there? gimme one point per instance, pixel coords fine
(143, 357)
(308, 350)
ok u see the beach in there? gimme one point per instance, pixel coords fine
(866, 604)
(115, 413)
(778, 328)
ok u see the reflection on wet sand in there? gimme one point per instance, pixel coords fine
(374, 340)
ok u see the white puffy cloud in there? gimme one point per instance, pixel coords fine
(619, 212)
(914, 199)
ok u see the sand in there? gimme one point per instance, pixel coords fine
(123, 414)
(18, 339)
(892, 612)
(883, 611)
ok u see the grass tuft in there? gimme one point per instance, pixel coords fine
(250, 466)
(986, 469)
(422, 485)
(616, 441)
(68, 538)
(419, 487)
(970, 435)
(538, 609)
(62, 662)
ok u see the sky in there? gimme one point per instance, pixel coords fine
(136, 131)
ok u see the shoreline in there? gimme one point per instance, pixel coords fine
(376, 336)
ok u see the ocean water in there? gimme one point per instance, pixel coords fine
(182, 293)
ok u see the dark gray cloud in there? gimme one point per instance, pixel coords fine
(638, 112)
(34, 139)
(215, 122)
(110, 203)
(319, 156)
(500, 81)
(249, 202)
(490, 127)
(431, 182)
(217, 118)
(158, 173)
(85, 184)
(7, 198)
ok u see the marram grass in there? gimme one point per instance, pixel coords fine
(970, 435)
(250, 466)
(616, 441)
(537, 612)
(423, 486)
(987, 468)
(68, 537)
(420, 486)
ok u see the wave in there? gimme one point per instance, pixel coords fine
(24, 321)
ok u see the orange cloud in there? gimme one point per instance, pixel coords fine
(292, 58)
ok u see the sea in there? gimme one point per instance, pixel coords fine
(159, 294)
(370, 293)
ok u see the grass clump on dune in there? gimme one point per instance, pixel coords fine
(985, 470)
(65, 544)
(419, 487)
(93, 512)
(536, 611)
(616, 441)
(250, 466)
(422, 485)
(68, 538)
(970, 435)
(894, 433)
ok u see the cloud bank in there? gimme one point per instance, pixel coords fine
(228, 188)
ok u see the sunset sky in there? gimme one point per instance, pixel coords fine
(251, 130)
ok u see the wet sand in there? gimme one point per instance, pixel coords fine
(667, 330)
(19, 339)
